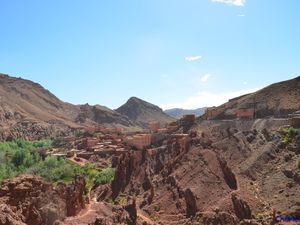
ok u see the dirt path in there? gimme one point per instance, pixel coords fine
(87, 215)
(144, 218)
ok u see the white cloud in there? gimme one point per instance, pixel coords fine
(245, 83)
(241, 15)
(207, 99)
(205, 77)
(232, 2)
(193, 58)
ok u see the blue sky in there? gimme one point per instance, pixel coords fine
(173, 53)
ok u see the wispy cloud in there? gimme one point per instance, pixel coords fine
(241, 15)
(208, 99)
(231, 2)
(193, 58)
(205, 77)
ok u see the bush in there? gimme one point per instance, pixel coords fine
(54, 169)
(105, 176)
(22, 158)
(289, 134)
(18, 156)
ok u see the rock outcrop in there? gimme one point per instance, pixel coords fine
(75, 196)
(132, 212)
(8, 217)
(241, 207)
(228, 174)
(191, 205)
(30, 200)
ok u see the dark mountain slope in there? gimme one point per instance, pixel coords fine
(143, 112)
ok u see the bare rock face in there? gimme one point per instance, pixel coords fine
(191, 205)
(228, 174)
(102, 192)
(23, 193)
(8, 217)
(75, 196)
(122, 175)
(241, 207)
(30, 200)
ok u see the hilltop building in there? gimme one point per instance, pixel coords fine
(295, 119)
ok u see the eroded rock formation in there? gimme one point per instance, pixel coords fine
(191, 205)
(30, 200)
(228, 174)
(75, 196)
(241, 207)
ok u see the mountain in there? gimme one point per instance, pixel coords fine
(276, 100)
(143, 112)
(28, 110)
(178, 113)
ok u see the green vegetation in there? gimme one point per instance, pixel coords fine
(289, 134)
(95, 177)
(105, 176)
(20, 156)
(79, 132)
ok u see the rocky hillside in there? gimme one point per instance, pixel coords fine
(222, 172)
(278, 100)
(30, 200)
(143, 112)
(29, 110)
(178, 113)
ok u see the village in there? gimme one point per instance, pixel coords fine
(99, 144)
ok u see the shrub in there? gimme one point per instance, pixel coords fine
(105, 176)
(289, 134)
(18, 156)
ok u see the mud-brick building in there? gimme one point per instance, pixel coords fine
(154, 126)
(88, 143)
(212, 112)
(139, 141)
(246, 112)
(295, 119)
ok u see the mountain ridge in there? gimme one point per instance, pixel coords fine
(23, 100)
(143, 112)
(179, 112)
